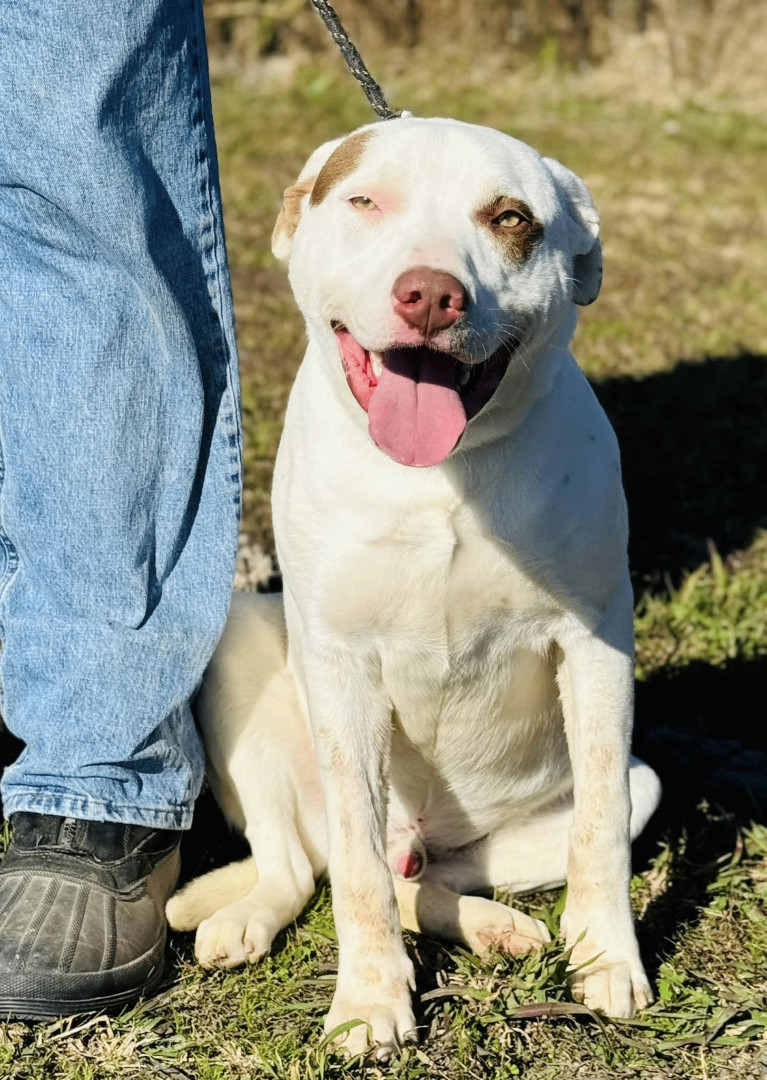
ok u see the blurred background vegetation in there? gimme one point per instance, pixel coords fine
(716, 46)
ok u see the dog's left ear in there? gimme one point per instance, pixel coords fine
(584, 230)
(294, 199)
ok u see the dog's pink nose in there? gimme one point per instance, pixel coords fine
(429, 300)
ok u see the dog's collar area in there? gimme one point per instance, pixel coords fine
(418, 399)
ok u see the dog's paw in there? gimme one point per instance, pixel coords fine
(235, 935)
(382, 1025)
(381, 1004)
(617, 989)
(490, 925)
(607, 975)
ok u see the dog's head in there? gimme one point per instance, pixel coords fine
(436, 253)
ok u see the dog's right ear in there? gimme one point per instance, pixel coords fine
(289, 216)
(584, 233)
(295, 198)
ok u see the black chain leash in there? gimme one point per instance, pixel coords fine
(354, 61)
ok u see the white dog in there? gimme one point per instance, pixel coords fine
(443, 702)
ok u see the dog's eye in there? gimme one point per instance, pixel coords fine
(510, 219)
(362, 202)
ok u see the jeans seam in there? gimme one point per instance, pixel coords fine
(11, 567)
(211, 249)
(11, 554)
(45, 802)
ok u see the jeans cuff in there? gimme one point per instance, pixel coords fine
(32, 801)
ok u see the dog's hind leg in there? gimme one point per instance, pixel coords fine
(533, 854)
(288, 852)
(242, 932)
(521, 857)
(431, 908)
(201, 898)
(262, 768)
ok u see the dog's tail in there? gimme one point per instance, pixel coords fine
(203, 896)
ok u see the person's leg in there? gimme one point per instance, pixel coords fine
(119, 428)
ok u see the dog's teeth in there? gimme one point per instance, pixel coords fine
(464, 374)
(376, 361)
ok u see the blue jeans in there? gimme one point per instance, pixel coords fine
(120, 457)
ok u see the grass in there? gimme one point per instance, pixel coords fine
(677, 348)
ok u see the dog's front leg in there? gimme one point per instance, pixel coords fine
(596, 687)
(351, 719)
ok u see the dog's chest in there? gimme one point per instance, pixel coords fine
(464, 638)
(450, 612)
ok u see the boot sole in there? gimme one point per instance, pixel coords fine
(24, 1004)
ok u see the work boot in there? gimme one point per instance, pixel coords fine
(82, 914)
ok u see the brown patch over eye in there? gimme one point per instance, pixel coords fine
(341, 163)
(512, 224)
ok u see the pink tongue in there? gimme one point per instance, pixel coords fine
(415, 414)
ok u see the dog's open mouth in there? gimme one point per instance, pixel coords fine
(418, 400)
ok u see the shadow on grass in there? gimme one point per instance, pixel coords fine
(693, 448)
(701, 728)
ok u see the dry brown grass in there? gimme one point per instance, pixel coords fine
(711, 46)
